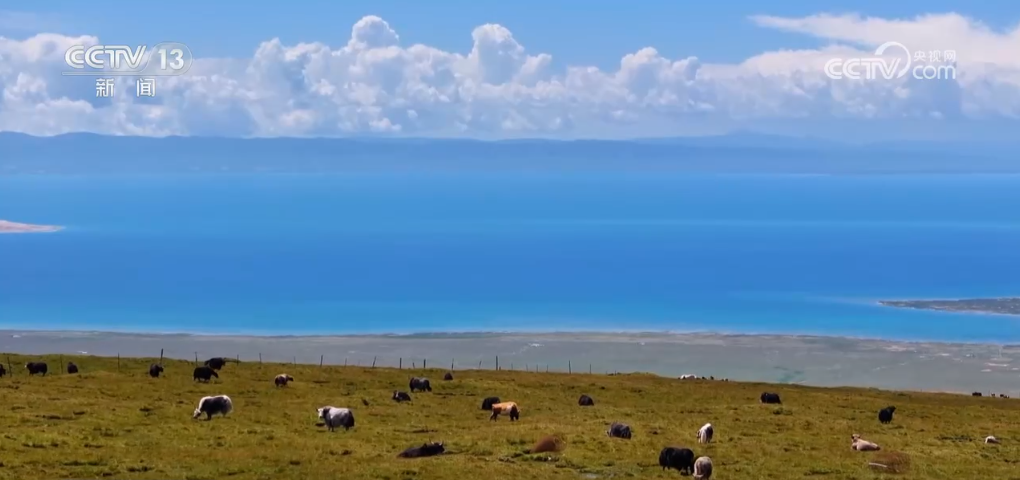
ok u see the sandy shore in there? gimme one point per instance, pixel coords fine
(14, 227)
(822, 361)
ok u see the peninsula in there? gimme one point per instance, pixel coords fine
(14, 227)
(1000, 306)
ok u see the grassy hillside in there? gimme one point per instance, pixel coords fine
(119, 423)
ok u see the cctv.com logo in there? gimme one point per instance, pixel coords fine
(889, 63)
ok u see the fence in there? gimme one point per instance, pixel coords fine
(375, 361)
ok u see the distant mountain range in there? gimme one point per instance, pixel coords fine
(747, 153)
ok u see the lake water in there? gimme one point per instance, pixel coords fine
(313, 254)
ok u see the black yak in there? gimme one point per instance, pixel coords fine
(619, 430)
(678, 458)
(769, 397)
(205, 373)
(448, 376)
(425, 450)
(885, 414)
(36, 368)
(217, 363)
(401, 396)
(586, 401)
(155, 369)
(72, 368)
(421, 384)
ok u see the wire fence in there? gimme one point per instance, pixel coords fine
(362, 360)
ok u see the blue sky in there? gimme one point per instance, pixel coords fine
(509, 69)
(575, 31)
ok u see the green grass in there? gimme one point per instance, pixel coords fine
(121, 424)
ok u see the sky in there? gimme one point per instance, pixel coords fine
(564, 69)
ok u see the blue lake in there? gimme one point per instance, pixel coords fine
(373, 253)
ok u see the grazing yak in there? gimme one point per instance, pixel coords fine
(861, 445)
(976, 394)
(705, 433)
(489, 402)
(217, 363)
(425, 450)
(586, 401)
(680, 459)
(401, 396)
(335, 417)
(420, 384)
(36, 368)
(991, 439)
(155, 369)
(509, 407)
(205, 374)
(769, 397)
(448, 376)
(282, 380)
(546, 444)
(703, 468)
(210, 406)
(72, 368)
(3, 371)
(619, 430)
(885, 414)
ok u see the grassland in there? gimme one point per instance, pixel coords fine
(113, 421)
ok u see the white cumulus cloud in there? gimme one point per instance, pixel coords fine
(375, 84)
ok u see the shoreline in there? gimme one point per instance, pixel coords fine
(999, 306)
(792, 359)
(15, 227)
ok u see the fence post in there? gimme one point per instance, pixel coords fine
(10, 367)
(373, 362)
(196, 358)
(412, 365)
(118, 361)
(497, 362)
(479, 364)
(161, 356)
(569, 370)
(238, 358)
(345, 361)
(61, 363)
(424, 362)
(589, 369)
(320, 359)
(451, 364)
(260, 358)
(401, 363)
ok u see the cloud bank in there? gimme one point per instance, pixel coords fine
(374, 84)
